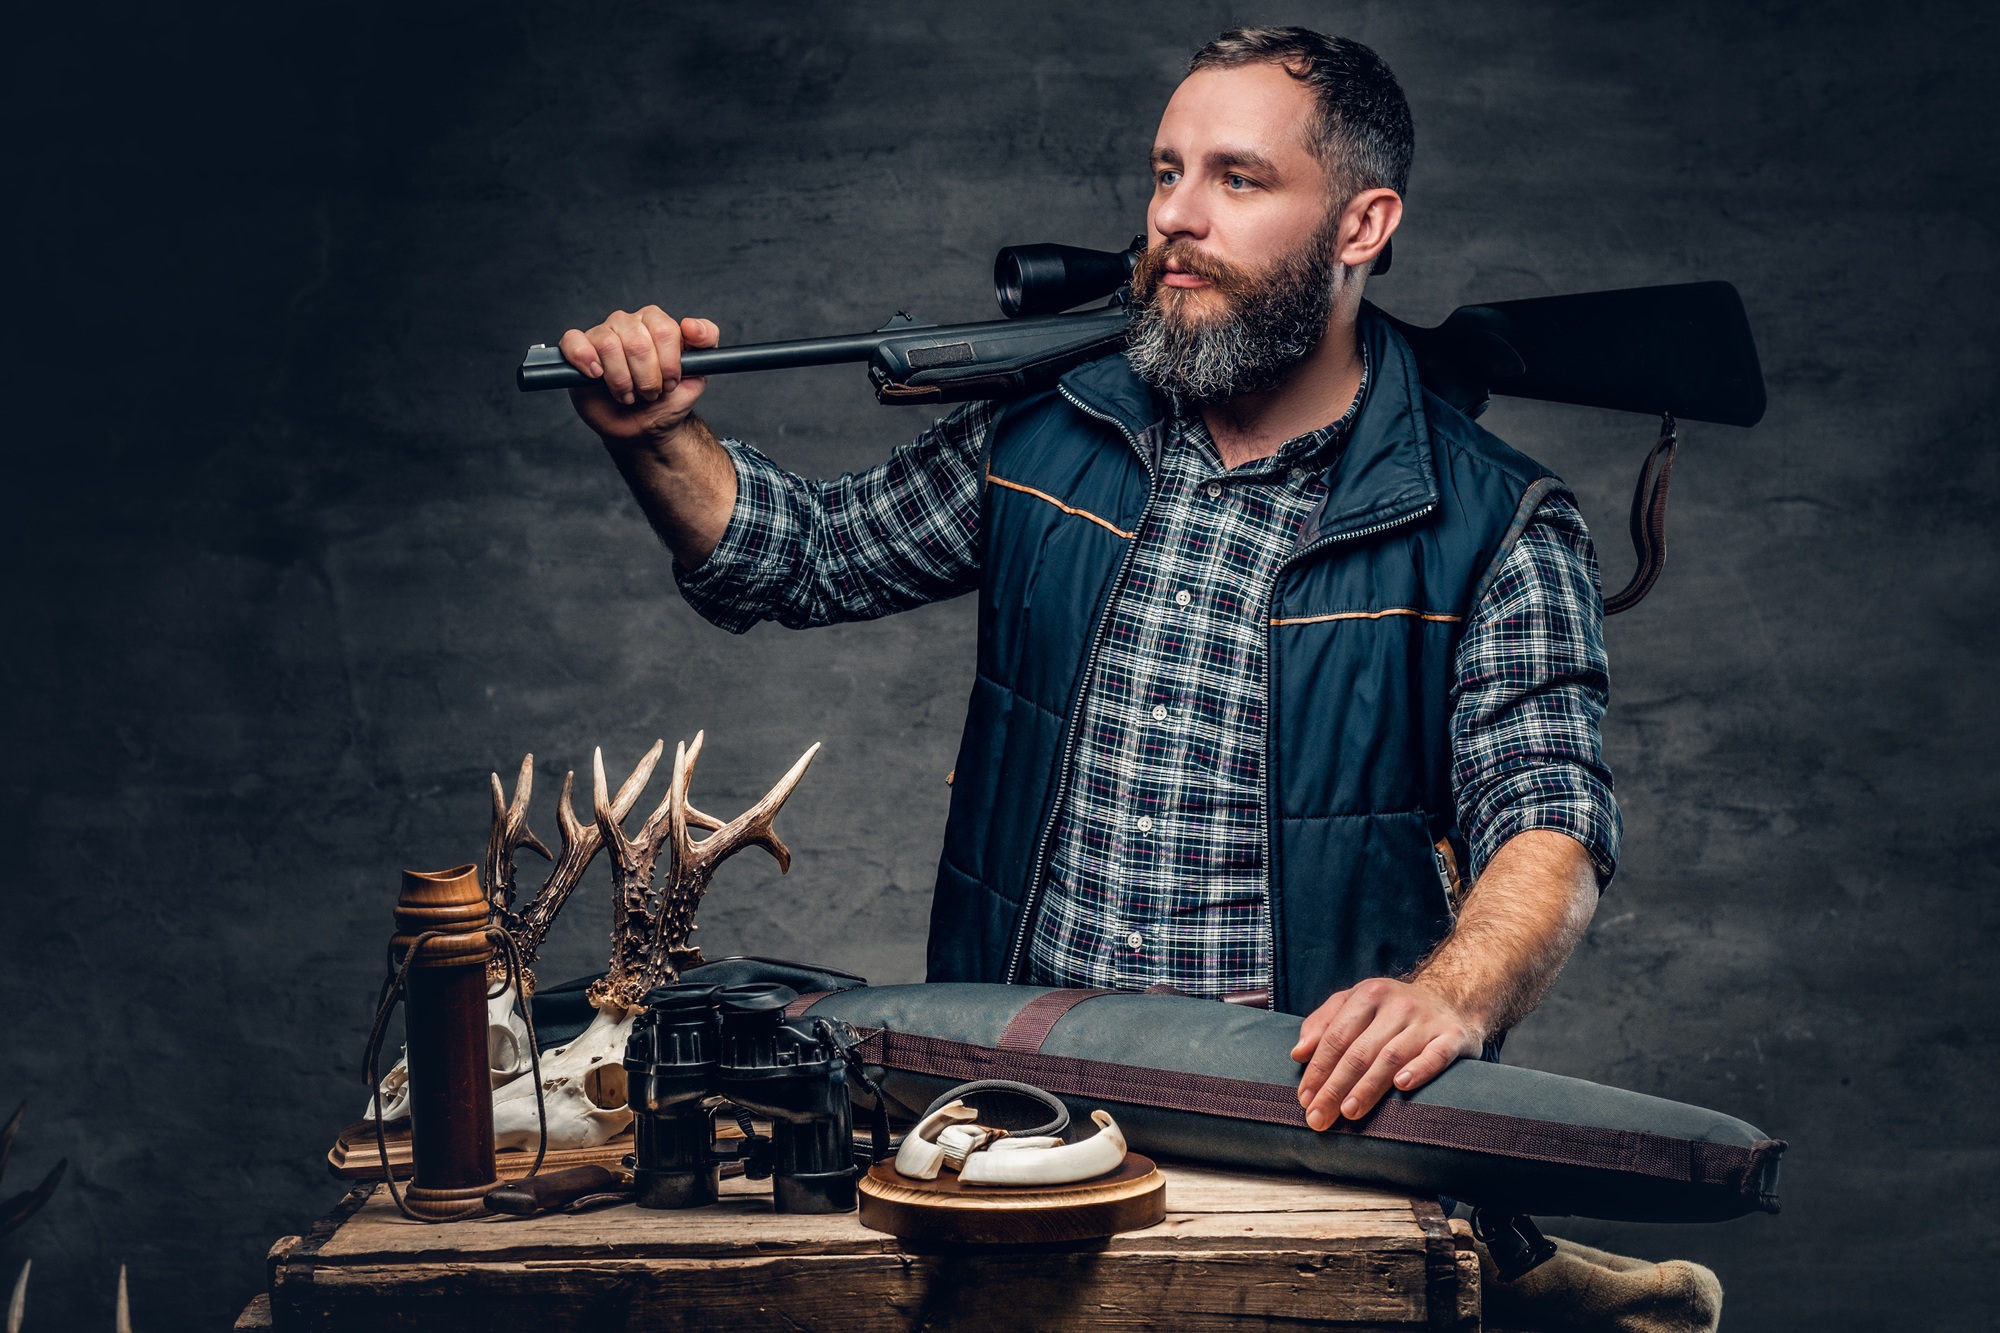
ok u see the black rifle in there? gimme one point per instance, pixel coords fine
(1683, 351)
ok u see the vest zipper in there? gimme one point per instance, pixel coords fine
(1270, 710)
(1016, 951)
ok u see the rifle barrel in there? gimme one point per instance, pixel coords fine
(544, 367)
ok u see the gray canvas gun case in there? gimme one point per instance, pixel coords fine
(1215, 1083)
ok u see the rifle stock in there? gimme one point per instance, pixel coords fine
(1685, 349)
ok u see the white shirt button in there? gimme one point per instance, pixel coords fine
(1214, 489)
(1159, 712)
(1298, 474)
(1135, 940)
(1145, 823)
(1183, 597)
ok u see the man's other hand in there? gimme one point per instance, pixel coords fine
(1379, 1034)
(636, 359)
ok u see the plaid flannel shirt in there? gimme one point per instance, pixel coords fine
(1156, 871)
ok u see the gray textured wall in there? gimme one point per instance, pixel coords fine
(290, 566)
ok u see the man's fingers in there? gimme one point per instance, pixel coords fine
(636, 340)
(610, 350)
(1337, 1047)
(1325, 1056)
(1335, 1041)
(1395, 1055)
(576, 349)
(1354, 1063)
(1313, 1024)
(1435, 1059)
(638, 356)
(665, 332)
(1387, 1034)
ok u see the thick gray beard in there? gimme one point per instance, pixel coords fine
(1244, 350)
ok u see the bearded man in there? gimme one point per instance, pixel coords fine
(1272, 642)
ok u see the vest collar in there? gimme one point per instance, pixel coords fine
(1385, 474)
(1382, 476)
(1108, 389)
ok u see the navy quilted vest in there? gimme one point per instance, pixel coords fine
(1365, 618)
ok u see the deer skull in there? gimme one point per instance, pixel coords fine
(583, 1091)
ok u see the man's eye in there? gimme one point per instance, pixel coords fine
(1236, 182)
(1170, 177)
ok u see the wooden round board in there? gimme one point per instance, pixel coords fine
(944, 1210)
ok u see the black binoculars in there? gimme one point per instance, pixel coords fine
(697, 1046)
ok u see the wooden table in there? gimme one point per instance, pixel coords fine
(1235, 1252)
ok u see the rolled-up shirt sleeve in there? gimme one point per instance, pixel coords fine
(807, 553)
(1532, 686)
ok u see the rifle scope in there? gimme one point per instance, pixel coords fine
(1048, 279)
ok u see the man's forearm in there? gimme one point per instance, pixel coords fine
(806, 553)
(1515, 930)
(685, 483)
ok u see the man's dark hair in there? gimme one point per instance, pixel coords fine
(1365, 134)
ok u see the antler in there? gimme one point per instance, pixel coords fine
(580, 845)
(510, 830)
(632, 861)
(695, 864)
(649, 936)
(631, 888)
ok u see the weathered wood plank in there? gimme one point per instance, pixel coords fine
(1235, 1252)
(871, 1293)
(1230, 1231)
(1180, 1231)
(743, 1225)
(1203, 1189)
(1471, 1300)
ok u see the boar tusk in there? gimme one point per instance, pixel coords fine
(961, 1141)
(921, 1157)
(1102, 1152)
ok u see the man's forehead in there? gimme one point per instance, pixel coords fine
(1244, 113)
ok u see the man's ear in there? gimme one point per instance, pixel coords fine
(1366, 224)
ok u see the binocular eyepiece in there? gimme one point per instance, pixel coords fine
(1048, 279)
(696, 1044)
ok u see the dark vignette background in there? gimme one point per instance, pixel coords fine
(290, 566)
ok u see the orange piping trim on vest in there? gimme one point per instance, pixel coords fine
(1366, 615)
(1067, 509)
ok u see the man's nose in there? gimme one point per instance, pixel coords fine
(1179, 214)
